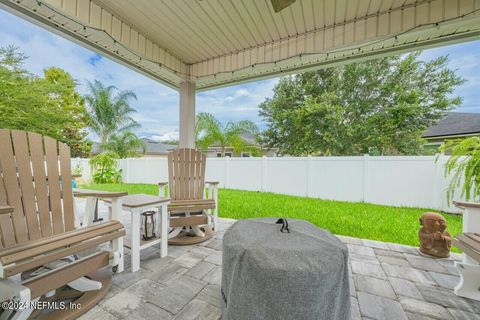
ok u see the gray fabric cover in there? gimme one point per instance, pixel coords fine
(267, 274)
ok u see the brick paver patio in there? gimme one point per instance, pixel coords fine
(388, 281)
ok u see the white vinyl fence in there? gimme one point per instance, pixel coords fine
(414, 181)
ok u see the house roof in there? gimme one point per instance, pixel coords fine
(156, 147)
(247, 137)
(455, 124)
(152, 147)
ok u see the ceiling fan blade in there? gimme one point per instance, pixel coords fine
(279, 5)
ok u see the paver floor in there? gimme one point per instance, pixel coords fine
(388, 281)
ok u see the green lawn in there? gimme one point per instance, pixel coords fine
(362, 220)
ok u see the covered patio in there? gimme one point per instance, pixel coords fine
(200, 45)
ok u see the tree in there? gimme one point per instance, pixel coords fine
(125, 145)
(49, 105)
(208, 131)
(384, 105)
(65, 97)
(110, 113)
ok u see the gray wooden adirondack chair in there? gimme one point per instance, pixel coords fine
(192, 214)
(39, 239)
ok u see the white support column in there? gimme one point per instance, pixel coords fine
(187, 114)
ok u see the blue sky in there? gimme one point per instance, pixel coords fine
(157, 105)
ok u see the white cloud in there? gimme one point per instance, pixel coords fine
(242, 93)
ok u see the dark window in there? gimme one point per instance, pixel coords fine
(227, 154)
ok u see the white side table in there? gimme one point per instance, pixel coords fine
(92, 196)
(135, 204)
(469, 268)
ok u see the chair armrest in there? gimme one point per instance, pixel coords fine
(162, 184)
(213, 183)
(98, 194)
(6, 209)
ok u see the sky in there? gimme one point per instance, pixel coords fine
(157, 105)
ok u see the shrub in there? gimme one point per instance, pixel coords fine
(105, 168)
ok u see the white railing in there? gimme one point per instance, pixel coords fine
(414, 181)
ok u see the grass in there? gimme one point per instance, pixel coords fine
(361, 220)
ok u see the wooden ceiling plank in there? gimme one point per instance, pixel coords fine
(204, 22)
(260, 24)
(210, 45)
(231, 13)
(249, 23)
(161, 34)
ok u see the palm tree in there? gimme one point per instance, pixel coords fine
(208, 131)
(126, 144)
(109, 112)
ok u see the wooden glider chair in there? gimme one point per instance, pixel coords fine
(192, 215)
(44, 257)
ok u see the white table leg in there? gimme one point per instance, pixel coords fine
(215, 211)
(89, 211)
(135, 241)
(78, 223)
(117, 246)
(115, 209)
(164, 230)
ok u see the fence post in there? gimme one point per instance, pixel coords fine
(263, 182)
(227, 172)
(439, 192)
(365, 178)
(309, 170)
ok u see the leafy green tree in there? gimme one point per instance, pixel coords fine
(110, 112)
(209, 131)
(49, 105)
(383, 105)
(126, 145)
(68, 99)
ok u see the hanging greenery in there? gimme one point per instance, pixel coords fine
(464, 166)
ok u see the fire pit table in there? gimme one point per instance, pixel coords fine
(278, 269)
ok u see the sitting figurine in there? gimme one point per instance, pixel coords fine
(434, 239)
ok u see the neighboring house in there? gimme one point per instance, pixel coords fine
(249, 139)
(152, 148)
(455, 125)
(159, 149)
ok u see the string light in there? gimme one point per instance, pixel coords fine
(327, 54)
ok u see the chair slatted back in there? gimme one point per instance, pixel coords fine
(186, 174)
(32, 169)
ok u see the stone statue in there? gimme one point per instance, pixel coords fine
(434, 239)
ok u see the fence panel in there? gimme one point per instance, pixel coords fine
(416, 181)
(401, 181)
(286, 176)
(336, 178)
